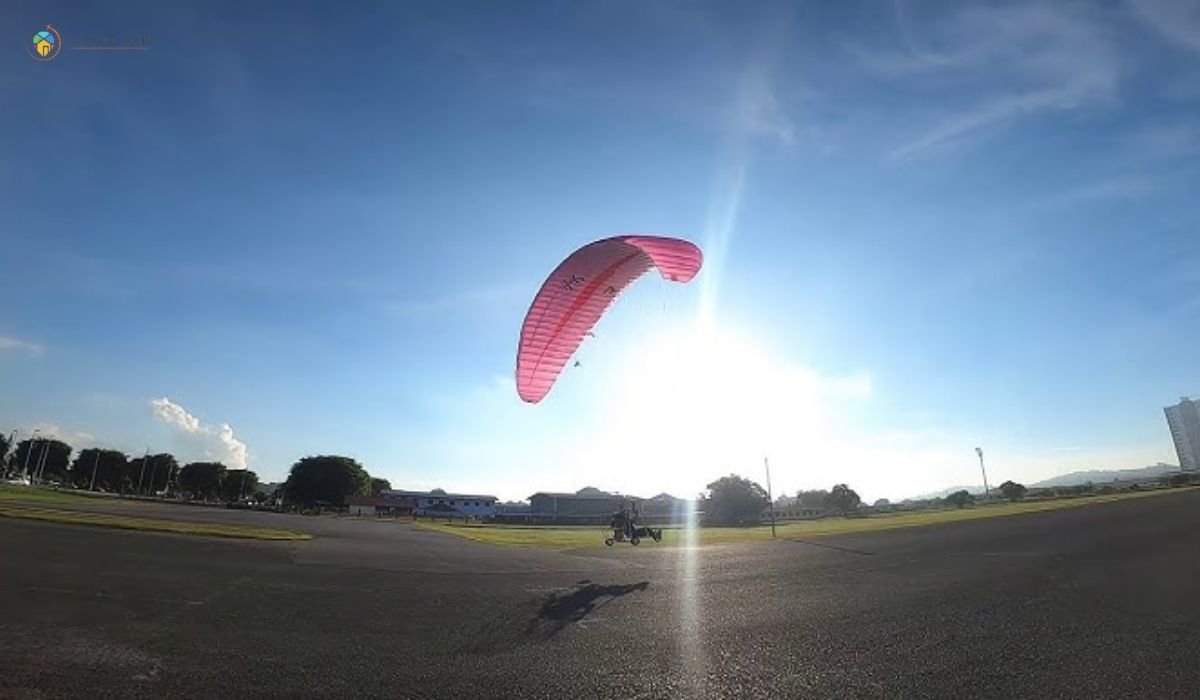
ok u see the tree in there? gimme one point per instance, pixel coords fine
(108, 466)
(50, 457)
(201, 480)
(733, 500)
(816, 498)
(378, 485)
(150, 474)
(157, 476)
(5, 444)
(843, 499)
(881, 503)
(1013, 491)
(1180, 479)
(325, 479)
(236, 484)
(960, 499)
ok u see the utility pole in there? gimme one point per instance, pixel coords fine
(12, 452)
(32, 444)
(95, 466)
(770, 498)
(142, 475)
(153, 473)
(986, 492)
(41, 466)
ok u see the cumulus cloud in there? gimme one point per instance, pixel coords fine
(216, 442)
(170, 412)
(75, 438)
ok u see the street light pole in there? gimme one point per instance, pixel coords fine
(32, 443)
(986, 492)
(142, 474)
(41, 467)
(770, 498)
(10, 452)
(95, 466)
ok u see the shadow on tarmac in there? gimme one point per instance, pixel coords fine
(562, 609)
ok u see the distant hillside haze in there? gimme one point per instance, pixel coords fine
(1095, 476)
(1100, 476)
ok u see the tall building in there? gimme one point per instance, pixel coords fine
(1184, 420)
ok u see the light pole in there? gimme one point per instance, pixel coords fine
(41, 467)
(153, 473)
(986, 492)
(770, 498)
(142, 475)
(95, 466)
(10, 454)
(32, 442)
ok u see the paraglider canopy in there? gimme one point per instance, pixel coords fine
(580, 290)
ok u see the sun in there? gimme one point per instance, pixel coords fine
(691, 401)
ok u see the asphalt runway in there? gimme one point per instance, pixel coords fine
(1099, 601)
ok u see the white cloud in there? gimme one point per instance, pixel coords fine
(991, 65)
(8, 343)
(75, 438)
(1178, 21)
(236, 449)
(214, 442)
(177, 415)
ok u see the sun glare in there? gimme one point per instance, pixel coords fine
(699, 399)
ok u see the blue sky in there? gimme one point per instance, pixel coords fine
(927, 226)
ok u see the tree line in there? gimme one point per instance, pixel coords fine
(316, 481)
(736, 500)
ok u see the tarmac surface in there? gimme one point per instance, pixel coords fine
(1098, 601)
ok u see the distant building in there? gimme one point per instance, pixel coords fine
(380, 505)
(395, 502)
(586, 504)
(1184, 421)
(513, 508)
(664, 505)
(441, 503)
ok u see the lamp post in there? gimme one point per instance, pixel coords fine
(32, 442)
(95, 466)
(986, 492)
(41, 465)
(770, 498)
(10, 452)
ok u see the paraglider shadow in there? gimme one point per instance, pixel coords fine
(562, 609)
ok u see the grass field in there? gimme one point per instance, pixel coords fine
(29, 494)
(126, 522)
(593, 536)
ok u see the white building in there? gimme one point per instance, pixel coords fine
(441, 503)
(1184, 421)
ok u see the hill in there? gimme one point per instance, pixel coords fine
(1100, 476)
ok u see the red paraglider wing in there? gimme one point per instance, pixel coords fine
(580, 290)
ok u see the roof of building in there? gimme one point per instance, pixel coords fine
(602, 496)
(429, 494)
(369, 501)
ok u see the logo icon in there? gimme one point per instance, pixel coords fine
(45, 45)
